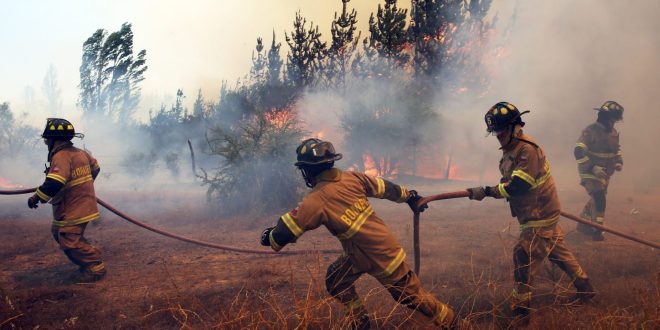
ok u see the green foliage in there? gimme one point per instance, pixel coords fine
(139, 163)
(449, 38)
(110, 74)
(256, 172)
(274, 63)
(15, 137)
(343, 47)
(306, 53)
(388, 125)
(389, 37)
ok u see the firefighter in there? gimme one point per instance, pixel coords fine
(529, 188)
(598, 156)
(69, 187)
(339, 201)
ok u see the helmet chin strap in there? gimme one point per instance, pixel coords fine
(308, 178)
(51, 146)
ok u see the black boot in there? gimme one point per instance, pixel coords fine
(360, 322)
(598, 236)
(585, 292)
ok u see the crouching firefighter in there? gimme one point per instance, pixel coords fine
(530, 189)
(338, 200)
(598, 156)
(69, 187)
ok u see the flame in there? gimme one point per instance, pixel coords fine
(280, 118)
(6, 184)
(380, 167)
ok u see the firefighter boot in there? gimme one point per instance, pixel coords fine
(585, 292)
(93, 273)
(598, 236)
(452, 321)
(511, 314)
(358, 315)
(586, 214)
(360, 322)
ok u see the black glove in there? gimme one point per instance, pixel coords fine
(477, 193)
(265, 236)
(412, 202)
(33, 201)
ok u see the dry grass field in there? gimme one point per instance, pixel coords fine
(158, 283)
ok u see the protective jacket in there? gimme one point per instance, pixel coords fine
(69, 186)
(339, 202)
(597, 146)
(527, 184)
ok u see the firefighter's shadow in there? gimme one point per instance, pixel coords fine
(51, 275)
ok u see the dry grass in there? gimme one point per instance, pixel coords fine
(155, 283)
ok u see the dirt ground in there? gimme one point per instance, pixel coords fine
(159, 283)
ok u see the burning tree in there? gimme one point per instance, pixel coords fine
(385, 127)
(256, 172)
(387, 40)
(448, 38)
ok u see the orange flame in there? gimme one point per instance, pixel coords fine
(5, 184)
(280, 118)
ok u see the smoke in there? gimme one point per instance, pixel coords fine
(567, 57)
(558, 59)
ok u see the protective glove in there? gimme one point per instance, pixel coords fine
(33, 201)
(599, 172)
(412, 202)
(618, 167)
(477, 193)
(265, 236)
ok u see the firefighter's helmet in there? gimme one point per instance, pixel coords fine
(501, 115)
(313, 152)
(611, 109)
(59, 129)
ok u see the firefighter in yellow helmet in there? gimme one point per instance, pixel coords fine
(338, 201)
(598, 156)
(529, 188)
(69, 187)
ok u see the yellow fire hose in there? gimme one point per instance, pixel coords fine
(175, 236)
(465, 193)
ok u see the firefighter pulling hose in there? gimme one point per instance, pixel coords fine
(69, 187)
(338, 201)
(466, 194)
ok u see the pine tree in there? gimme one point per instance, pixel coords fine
(306, 53)
(259, 63)
(343, 46)
(274, 63)
(198, 106)
(52, 91)
(449, 38)
(389, 37)
(110, 74)
(433, 23)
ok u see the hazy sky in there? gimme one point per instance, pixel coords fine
(190, 45)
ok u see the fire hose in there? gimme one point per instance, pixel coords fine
(175, 236)
(465, 193)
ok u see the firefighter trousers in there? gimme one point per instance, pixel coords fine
(533, 246)
(78, 249)
(403, 285)
(594, 209)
